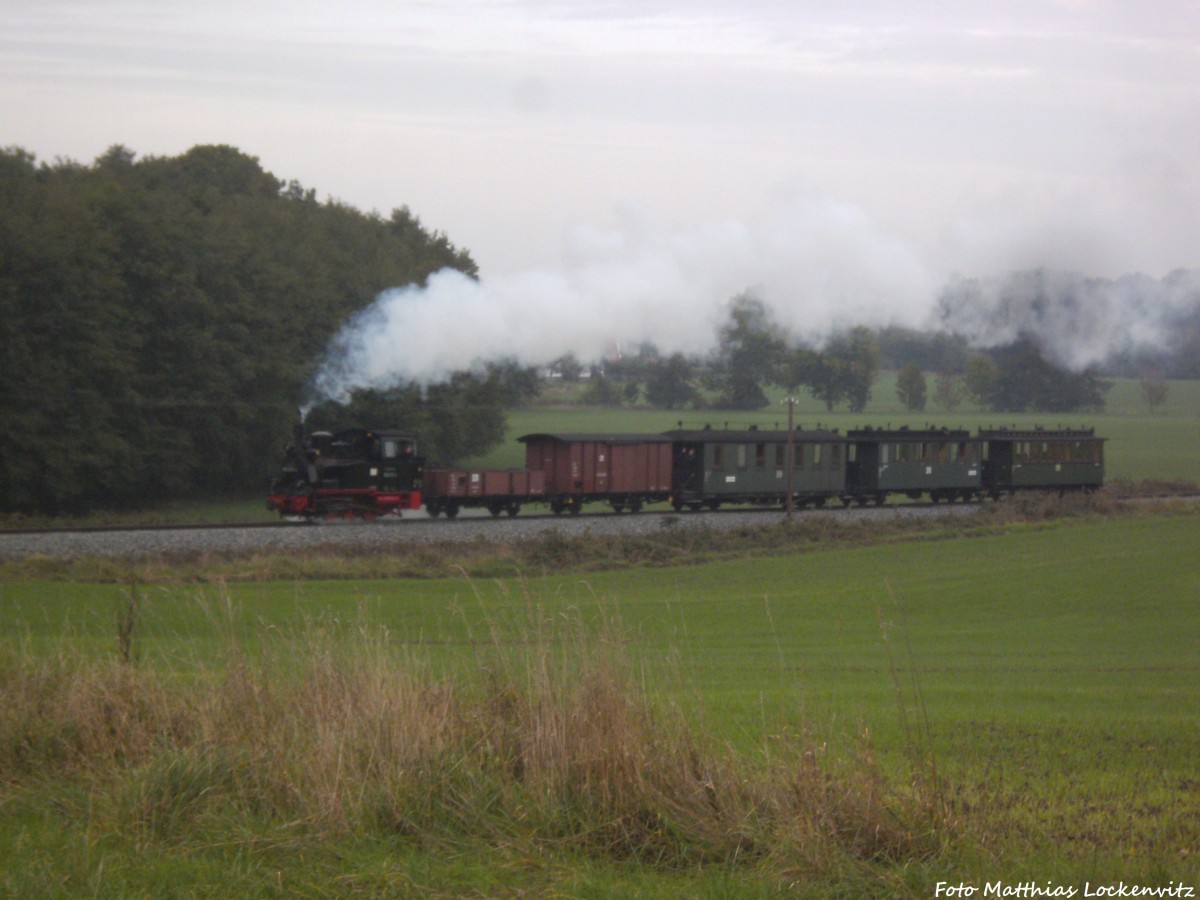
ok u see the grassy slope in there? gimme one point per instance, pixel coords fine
(1058, 668)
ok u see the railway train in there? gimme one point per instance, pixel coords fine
(363, 473)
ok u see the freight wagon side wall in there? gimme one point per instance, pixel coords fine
(455, 483)
(570, 467)
(540, 456)
(643, 468)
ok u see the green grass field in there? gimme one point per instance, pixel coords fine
(1052, 671)
(1010, 703)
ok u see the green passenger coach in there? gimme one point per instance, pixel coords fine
(1066, 459)
(941, 462)
(714, 466)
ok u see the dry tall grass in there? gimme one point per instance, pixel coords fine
(550, 743)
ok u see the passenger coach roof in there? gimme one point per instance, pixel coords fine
(910, 434)
(1039, 434)
(750, 436)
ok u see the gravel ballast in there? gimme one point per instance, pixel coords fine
(400, 533)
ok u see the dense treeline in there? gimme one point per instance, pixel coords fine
(159, 319)
(755, 352)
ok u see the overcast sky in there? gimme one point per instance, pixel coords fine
(634, 155)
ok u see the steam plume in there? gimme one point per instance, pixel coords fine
(816, 263)
(1078, 321)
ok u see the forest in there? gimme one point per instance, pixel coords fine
(161, 320)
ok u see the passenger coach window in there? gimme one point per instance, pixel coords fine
(741, 451)
(780, 455)
(816, 456)
(760, 456)
(835, 456)
(718, 456)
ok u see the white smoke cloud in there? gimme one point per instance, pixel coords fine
(817, 264)
(1078, 321)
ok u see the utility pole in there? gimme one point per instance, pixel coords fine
(790, 457)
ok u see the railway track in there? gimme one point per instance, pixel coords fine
(483, 516)
(391, 535)
(463, 516)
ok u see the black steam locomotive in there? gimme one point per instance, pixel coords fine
(355, 473)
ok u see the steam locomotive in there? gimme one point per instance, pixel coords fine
(361, 473)
(355, 473)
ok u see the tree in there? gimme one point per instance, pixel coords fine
(910, 387)
(845, 370)
(1154, 387)
(981, 378)
(519, 384)
(749, 352)
(1017, 377)
(159, 320)
(601, 391)
(949, 391)
(936, 351)
(826, 380)
(669, 384)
